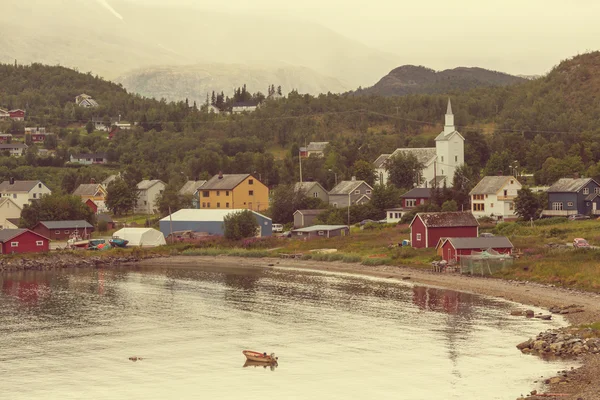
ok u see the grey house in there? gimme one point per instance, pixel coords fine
(304, 218)
(569, 196)
(321, 231)
(350, 193)
(208, 221)
(312, 189)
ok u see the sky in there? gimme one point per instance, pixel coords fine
(515, 36)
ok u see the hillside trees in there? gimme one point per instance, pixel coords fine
(286, 199)
(529, 205)
(405, 170)
(56, 207)
(121, 196)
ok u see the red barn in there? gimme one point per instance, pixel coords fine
(22, 241)
(17, 115)
(63, 230)
(455, 248)
(426, 229)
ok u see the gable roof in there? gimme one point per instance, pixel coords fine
(447, 219)
(306, 186)
(18, 186)
(147, 184)
(190, 187)
(245, 104)
(571, 185)
(8, 234)
(6, 200)
(14, 221)
(203, 214)
(317, 146)
(309, 212)
(320, 228)
(381, 160)
(423, 154)
(443, 136)
(104, 217)
(111, 178)
(491, 184)
(88, 189)
(224, 181)
(345, 187)
(417, 193)
(79, 224)
(7, 146)
(84, 156)
(479, 242)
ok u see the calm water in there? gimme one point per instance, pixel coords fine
(68, 335)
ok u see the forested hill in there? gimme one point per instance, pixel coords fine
(410, 79)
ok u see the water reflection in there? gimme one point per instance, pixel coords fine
(256, 364)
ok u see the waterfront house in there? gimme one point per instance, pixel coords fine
(350, 192)
(23, 192)
(40, 137)
(426, 229)
(494, 197)
(9, 211)
(570, 196)
(149, 190)
(62, 230)
(312, 189)
(452, 249)
(320, 231)
(408, 201)
(208, 221)
(22, 241)
(190, 187)
(234, 191)
(14, 149)
(304, 218)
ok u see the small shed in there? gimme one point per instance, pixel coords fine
(321, 231)
(110, 224)
(208, 220)
(455, 248)
(62, 230)
(426, 229)
(141, 237)
(22, 241)
(304, 218)
(92, 206)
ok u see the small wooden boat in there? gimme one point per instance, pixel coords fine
(118, 242)
(260, 357)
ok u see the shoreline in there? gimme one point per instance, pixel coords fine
(582, 383)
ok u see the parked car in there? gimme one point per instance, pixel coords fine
(277, 228)
(578, 217)
(581, 243)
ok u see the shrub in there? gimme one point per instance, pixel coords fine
(404, 253)
(102, 226)
(351, 258)
(240, 225)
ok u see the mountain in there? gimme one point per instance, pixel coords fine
(115, 36)
(195, 81)
(409, 79)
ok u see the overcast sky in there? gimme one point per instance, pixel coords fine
(516, 36)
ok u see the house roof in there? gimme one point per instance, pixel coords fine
(8, 234)
(494, 242)
(18, 186)
(423, 154)
(14, 221)
(5, 134)
(13, 146)
(204, 215)
(6, 200)
(246, 104)
(88, 155)
(104, 217)
(87, 189)
(447, 219)
(111, 178)
(589, 197)
(316, 146)
(306, 186)
(345, 187)
(491, 184)
(190, 187)
(224, 182)
(147, 184)
(417, 193)
(570, 184)
(321, 228)
(79, 224)
(439, 179)
(309, 212)
(381, 160)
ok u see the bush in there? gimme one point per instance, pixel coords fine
(485, 220)
(404, 253)
(351, 258)
(102, 226)
(240, 225)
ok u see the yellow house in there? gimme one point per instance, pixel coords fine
(234, 191)
(93, 191)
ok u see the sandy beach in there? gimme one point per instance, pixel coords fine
(583, 383)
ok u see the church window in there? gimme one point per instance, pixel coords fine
(455, 158)
(442, 158)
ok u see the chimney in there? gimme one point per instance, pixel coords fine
(12, 180)
(220, 175)
(353, 178)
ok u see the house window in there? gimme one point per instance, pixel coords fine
(57, 232)
(14, 244)
(218, 205)
(205, 193)
(226, 205)
(250, 181)
(418, 237)
(586, 190)
(315, 194)
(511, 182)
(557, 205)
(478, 207)
(227, 193)
(218, 193)
(570, 204)
(357, 192)
(145, 203)
(14, 195)
(207, 205)
(250, 192)
(492, 205)
(368, 192)
(39, 243)
(442, 158)
(596, 190)
(203, 205)
(505, 193)
(455, 158)
(442, 172)
(35, 195)
(410, 202)
(321, 233)
(477, 197)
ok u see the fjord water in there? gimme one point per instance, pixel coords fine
(68, 335)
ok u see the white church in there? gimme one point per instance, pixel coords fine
(440, 161)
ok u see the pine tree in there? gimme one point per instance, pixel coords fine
(213, 99)
(279, 90)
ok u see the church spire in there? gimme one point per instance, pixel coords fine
(449, 110)
(449, 123)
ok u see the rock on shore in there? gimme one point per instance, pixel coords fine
(565, 342)
(71, 260)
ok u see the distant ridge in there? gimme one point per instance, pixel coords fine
(411, 79)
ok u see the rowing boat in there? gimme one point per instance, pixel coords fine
(260, 357)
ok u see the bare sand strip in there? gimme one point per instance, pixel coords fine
(584, 383)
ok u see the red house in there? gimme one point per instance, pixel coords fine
(426, 229)
(90, 203)
(63, 230)
(415, 197)
(22, 241)
(17, 115)
(455, 248)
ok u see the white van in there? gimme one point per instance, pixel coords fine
(277, 228)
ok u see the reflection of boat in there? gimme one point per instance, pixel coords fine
(255, 364)
(260, 357)
(118, 242)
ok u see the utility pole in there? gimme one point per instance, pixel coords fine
(435, 173)
(300, 160)
(171, 224)
(349, 210)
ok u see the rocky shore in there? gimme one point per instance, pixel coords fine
(69, 260)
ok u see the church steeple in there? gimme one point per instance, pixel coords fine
(449, 124)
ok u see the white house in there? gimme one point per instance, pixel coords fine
(246, 106)
(9, 212)
(23, 192)
(494, 197)
(85, 101)
(440, 162)
(148, 195)
(14, 149)
(4, 115)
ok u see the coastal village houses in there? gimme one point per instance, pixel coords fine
(13, 241)
(246, 106)
(242, 191)
(426, 229)
(312, 189)
(316, 149)
(88, 159)
(94, 192)
(350, 192)
(494, 197)
(13, 149)
(452, 249)
(304, 218)
(411, 199)
(148, 191)
(9, 212)
(191, 188)
(23, 192)
(440, 161)
(570, 196)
